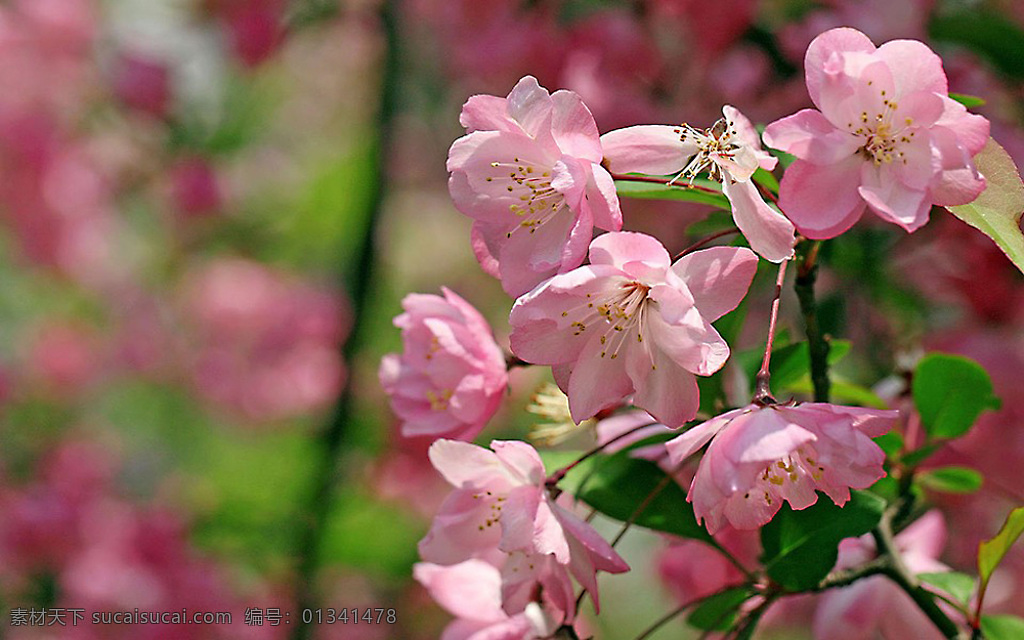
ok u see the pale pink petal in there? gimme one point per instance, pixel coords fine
(596, 382)
(925, 537)
(470, 589)
(822, 48)
(693, 439)
(914, 66)
(893, 201)
(971, 130)
(462, 529)
(769, 233)
(531, 256)
(517, 514)
(487, 113)
(521, 460)
(651, 149)
(959, 180)
(573, 127)
(465, 464)
(667, 391)
(718, 278)
(618, 248)
(748, 136)
(601, 553)
(809, 136)
(604, 203)
(919, 109)
(822, 201)
(695, 346)
(481, 251)
(529, 104)
(549, 535)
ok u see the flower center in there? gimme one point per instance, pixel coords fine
(883, 134)
(618, 315)
(716, 142)
(783, 475)
(492, 516)
(538, 200)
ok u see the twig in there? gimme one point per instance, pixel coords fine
(806, 276)
(703, 241)
(762, 386)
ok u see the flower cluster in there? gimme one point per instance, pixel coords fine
(622, 324)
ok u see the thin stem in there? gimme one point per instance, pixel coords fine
(806, 276)
(654, 180)
(668, 617)
(767, 193)
(558, 475)
(655, 492)
(762, 387)
(358, 283)
(846, 577)
(898, 572)
(703, 241)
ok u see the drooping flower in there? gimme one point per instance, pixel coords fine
(529, 173)
(730, 151)
(449, 380)
(875, 606)
(471, 591)
(760, 456)
(501, 508)
(632, 323)
(885, 135)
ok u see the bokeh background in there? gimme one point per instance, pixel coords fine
(211, 209)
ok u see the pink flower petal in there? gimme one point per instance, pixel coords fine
(718, 278)
(573, 127)
(651, 149)
(809, 136)
(487, 113)
(892, 200)
(824, 47)
(666, 390)
(915, 67)
(769, 233)
(822, 201)
(618, 248)
(529, 104)
(604, 203)
(467, 465)
(692, 439)
(470, 589)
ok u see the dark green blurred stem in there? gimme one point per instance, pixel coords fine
(358, 284)
(806, 276)
(898, 572)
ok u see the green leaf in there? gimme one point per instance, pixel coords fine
(766, 180)
(1002, 627)
(959, 585)
(791, 363)
(991, 552)
(950, 392)
(842, 390)
(619, 484)
(968, 101)
(801, 547)
(952, 479)
(997, 211)
(891, 443)
(919, 455)
(678, 191)
(717, 612)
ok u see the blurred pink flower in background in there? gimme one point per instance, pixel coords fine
(195, 188)
(267, 345)
(451, 376)
(142, 82)
(876, 606)
(254, 29)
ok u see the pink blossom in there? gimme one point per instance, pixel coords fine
(143, 83)
(529, 174)
(266, 345)
(195, 189)
(471, 591)
(875, 606)
(450, 379)
(633, 324)
(501, 509)
(730, 152)
(886, 136)
(760, 456)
